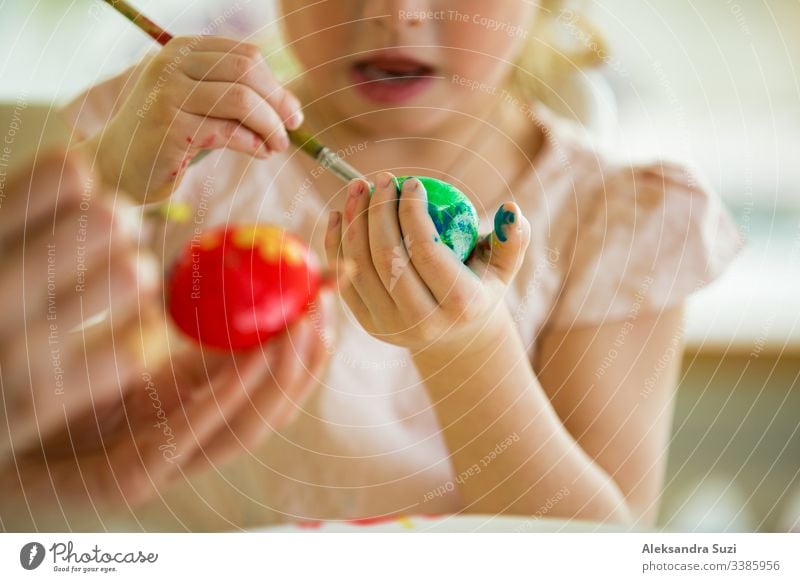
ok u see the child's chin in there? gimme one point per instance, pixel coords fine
(400, 123)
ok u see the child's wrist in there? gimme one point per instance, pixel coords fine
(472, 350)
(98, 158)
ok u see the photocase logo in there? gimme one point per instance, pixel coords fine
(399, 261)
(31, 555)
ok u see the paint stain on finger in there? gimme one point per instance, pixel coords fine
(502, 219)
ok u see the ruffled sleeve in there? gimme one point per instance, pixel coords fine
(649, 237)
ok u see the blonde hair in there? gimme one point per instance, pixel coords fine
(559, 44)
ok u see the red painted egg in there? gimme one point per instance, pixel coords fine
(234, 288)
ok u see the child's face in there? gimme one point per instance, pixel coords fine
(398, 65)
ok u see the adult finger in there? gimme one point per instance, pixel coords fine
(54, 180)
(57, 262)
(296, 360)
(151, 462)
(57, 383)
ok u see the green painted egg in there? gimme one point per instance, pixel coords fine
(453, 214)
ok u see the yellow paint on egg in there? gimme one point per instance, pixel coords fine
(210, 240)
(273, 244)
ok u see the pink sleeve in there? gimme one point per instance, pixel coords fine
(652, 236)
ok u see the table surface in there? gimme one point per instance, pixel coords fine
(448, 524)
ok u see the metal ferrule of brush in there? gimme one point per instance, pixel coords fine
(329, 160)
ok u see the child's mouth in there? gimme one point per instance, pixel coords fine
(391, 80)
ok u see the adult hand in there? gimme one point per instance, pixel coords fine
(105, 413)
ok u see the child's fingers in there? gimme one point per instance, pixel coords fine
(333, 252)
(336, 276)
(441, 270)
(214, 44)
(244, 63)
(504, 248)
(254, 73)
(210, 134)
(390, 252)
(355, 247)
(235, 101)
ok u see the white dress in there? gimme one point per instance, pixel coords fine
(608, 238)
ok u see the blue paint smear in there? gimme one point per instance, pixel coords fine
(502, 218)
(452, 213)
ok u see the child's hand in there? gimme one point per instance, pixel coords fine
(197, 93)
(408, 288)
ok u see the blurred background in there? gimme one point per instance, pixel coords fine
(716, 82)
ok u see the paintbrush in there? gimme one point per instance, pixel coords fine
(300, 137)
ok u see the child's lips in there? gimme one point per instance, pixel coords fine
(391, 80)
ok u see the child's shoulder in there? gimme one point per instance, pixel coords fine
(601, 173)
(634, 224)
